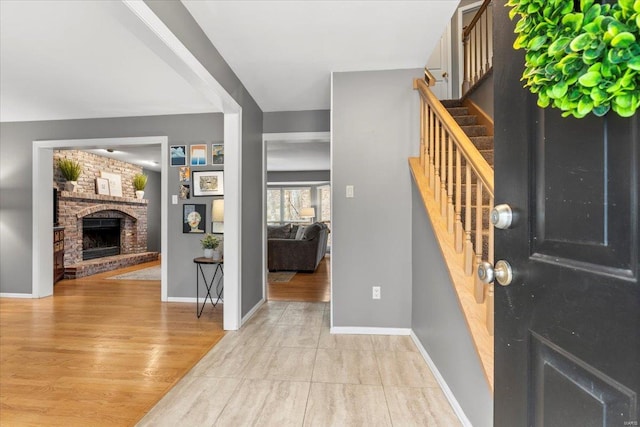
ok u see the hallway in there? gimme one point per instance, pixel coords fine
(284, 368)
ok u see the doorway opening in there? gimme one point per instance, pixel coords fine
(297, 217)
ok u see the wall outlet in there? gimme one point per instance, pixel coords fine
(376, 292)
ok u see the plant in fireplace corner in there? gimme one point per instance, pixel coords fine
(70, 170)
(139, 183)
(210, 243)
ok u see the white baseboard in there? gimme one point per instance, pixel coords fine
(252, 311)
(191, 300)
(355, 330)
(10, 295)
(443, 384)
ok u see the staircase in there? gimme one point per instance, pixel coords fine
(482, 138)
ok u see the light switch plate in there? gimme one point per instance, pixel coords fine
(350, 192)
(174, 199)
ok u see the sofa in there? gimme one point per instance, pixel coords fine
(296, 247)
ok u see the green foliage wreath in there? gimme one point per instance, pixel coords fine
(581, 61)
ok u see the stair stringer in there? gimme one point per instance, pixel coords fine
(474, 313)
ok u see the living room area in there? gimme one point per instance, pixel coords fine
(298, 216)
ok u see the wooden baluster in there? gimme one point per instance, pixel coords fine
(422, 125)
(432, 160)
(490, 309)
(466, 82)
(480, 45)
(444, 171)
(488, 38)
(476, 59)
(458, 208)
(450, 209)
(436, 184)
(478, 289)
(468, 245)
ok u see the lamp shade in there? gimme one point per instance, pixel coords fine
(307, 212)
(218, 210)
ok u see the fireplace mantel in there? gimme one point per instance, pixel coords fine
(68, 195)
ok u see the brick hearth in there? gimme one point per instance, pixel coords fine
(100, 265)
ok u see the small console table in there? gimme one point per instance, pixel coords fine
(200, 261)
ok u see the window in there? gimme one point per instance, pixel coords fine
(284, 204)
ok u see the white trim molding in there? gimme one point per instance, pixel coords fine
(442, 383)
(192, 300)
(253, 311)
(357, 330)
(11, 295)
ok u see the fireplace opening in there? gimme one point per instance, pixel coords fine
(100, 237)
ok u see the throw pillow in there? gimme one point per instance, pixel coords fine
(300, 232)
(294, 231)
(311, 232)
(278, 232)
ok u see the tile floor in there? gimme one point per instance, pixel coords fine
(284, 368)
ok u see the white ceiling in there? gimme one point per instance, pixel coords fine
(81, 59)
(284, 51)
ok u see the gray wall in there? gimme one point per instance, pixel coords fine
(375, 130)
(152, 193)
(16, 187)
(298, 176)
(182, 24)
(297, 121)
(483, 95)
(439, 323)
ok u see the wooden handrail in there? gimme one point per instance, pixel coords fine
(471, 153)
(429, 78)
(459, 179)
(475, 19)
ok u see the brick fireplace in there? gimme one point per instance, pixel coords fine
(130, 213)
(125, 216)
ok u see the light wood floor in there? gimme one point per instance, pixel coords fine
(304, 287)
(99, 352)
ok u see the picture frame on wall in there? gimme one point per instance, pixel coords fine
(194, 218)
(184, 192)
(178, 155)
(217, 154)
(102, 186)
(208, 183)
(115, 183)
(185, 174)
(198, 154)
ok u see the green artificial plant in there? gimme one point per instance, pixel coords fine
(209, 241)
(581, 61)
(69, 168)
(139, 181)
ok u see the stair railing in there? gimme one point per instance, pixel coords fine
(453, 166)
(478, 46)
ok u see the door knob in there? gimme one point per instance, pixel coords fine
(502, 216)
(502, 272)
(445, 75)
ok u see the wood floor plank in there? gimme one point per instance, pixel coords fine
(99, 352)
(304, 287)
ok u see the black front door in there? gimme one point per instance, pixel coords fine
(567, 329)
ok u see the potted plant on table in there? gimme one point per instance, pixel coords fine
(71, 171)
(210, 243)
(139, 183)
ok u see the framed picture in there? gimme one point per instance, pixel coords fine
(185, 174)
(102, 186)
(194, 218)
(115, 183)
(217, 154)
(198, 154)
(208, 183)
(184, 192)
(178, 155)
